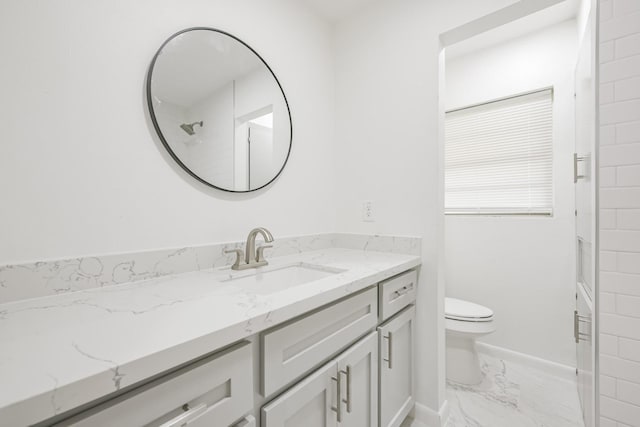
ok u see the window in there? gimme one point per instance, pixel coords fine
(498, 157)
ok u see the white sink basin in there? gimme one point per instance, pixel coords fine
(279, 279)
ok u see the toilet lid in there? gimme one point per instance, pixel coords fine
(458, 309)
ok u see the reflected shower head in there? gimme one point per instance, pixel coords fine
(188, 128)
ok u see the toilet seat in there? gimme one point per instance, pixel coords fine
(465, 311)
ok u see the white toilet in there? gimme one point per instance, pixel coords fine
(464, 322)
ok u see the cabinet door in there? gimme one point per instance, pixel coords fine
(396, 368)
(358, 370)
(309, 403)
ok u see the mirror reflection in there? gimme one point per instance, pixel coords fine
(219, 110)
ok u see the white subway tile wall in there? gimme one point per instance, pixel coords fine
(619, 213)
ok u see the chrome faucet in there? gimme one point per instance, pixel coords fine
(252, 258)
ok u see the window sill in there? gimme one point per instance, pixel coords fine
(508, 214)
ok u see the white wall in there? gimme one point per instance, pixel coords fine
(254, 92)
(81, 171)
(387, 114)
(521, 267)
(620, 213)
(173, 116)
(212, 160)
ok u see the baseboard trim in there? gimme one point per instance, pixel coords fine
(553, 368)
(431, 418)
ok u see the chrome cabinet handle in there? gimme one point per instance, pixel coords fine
(347, 373)
(389, 339)
(404, 290)
(188, 415)
(338, 408)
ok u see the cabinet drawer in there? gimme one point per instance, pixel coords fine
(290, 351)
(397, 293)
(214, 391)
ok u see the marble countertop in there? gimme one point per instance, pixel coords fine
(60, 352)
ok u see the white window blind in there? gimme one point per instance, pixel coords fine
(498, 157)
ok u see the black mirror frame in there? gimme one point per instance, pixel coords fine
(163, 139)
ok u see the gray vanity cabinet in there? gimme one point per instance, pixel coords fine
(396, 338)
(215, 391)
(309, 403)
(344, 392)
(358, 370)
(293, 349)
(331, 367)
(369, 384)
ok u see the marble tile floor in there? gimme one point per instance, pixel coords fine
(512, 395)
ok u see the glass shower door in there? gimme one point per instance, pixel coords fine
(584, 177)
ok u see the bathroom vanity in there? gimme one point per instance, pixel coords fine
(317, 338)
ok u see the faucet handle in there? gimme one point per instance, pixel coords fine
(260, 253)
(239, 257)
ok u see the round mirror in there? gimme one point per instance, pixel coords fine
(219, 110)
